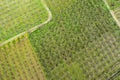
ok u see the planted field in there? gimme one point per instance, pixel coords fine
(18, 61)
(82, 33)
(17, 16)
(81, 42)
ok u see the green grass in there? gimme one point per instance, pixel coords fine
(81, 32)
(114, 4)
(18, 61)
(18, 16)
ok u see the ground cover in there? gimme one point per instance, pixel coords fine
(83, 33)
(17, 16)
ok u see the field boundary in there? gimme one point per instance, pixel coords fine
(34, 28)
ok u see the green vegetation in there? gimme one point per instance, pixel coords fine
(18, 61)
(17, 16)
(82, 41)
(114, 4)
(82, 33)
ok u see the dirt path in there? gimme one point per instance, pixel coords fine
(34, 28)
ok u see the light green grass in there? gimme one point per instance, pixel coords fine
(82, 32)
(17, 16)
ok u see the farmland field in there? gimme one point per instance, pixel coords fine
(82, 33)
(18, 61)
(17, 16)
(81, 42)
